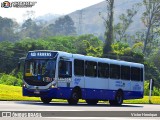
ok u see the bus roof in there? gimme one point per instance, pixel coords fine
(91, 58)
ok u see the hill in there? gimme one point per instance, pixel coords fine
(88, 20)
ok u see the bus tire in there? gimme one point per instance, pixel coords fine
(91, 102)
(46, 100)
(73, 100)
(118, 99)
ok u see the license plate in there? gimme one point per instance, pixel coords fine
(36, 92)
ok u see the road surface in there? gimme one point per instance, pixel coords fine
(18, 109)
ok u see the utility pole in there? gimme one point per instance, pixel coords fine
(151, 84)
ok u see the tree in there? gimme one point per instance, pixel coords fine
(7, 29)
(62, 26)
(123, 51)
(88, 45)
(50, 30)
(151, 21)
(109, 27)
(30, 29)
(155, 59)
(6, 55)
(125, 21)
(120, 48)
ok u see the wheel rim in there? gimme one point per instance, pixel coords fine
(75, 96)
(119, 99)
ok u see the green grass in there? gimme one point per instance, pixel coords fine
(8, 92)
(14, 93)
(145, 100)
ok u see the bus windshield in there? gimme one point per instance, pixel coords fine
(43, 68)
(39, 71)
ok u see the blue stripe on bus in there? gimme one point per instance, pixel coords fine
(65, 93)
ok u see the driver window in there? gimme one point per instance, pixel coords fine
(65, 68)
(50, 69)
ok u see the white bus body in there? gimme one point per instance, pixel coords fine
(85, 77)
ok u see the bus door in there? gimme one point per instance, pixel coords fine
(64, 72)
(78, 74)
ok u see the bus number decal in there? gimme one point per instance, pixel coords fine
(48, 79)
(119, 84)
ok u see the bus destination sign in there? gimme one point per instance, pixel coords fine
(38, 54)
(41, 54)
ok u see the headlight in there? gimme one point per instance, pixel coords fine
(24, 85)
(52, 86)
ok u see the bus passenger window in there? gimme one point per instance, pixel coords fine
(114, 71)
(65, 69)
(91, 69)
(79, 67)
(135, 74)
(125, 72)
(103, 70)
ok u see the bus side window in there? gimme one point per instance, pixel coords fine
(135, 74)
(103, 70)
(90, 69)
(125, 72)
(79, 67)
(114, 71)
(65, 69)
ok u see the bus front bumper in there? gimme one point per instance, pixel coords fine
(63, 93)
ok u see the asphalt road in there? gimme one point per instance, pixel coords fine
(60, 111)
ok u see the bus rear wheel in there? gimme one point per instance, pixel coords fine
(91, 102)
(74, 98)
(46, 100)
(118, 99)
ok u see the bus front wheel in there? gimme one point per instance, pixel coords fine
(74, 98)
(46, 100)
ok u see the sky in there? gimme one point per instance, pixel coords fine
(42, 7)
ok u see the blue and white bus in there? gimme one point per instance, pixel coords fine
(61, 75)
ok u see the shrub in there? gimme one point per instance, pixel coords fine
(155, 91)
(10, 80)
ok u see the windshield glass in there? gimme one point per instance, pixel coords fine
(45, 68)
(39, 72)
